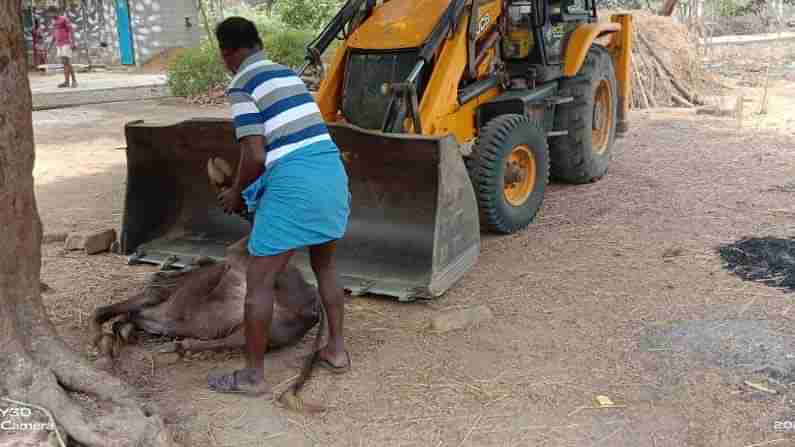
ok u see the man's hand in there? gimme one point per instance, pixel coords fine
(231, 201)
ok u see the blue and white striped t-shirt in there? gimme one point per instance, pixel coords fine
(269, 99)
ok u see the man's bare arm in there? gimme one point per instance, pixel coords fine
(252, 161)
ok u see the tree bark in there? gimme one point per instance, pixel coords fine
(36, 366)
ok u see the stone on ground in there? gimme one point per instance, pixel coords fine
(461, 318)
(92, 242)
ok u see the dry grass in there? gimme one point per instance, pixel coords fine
(667, 65)
(572, 297)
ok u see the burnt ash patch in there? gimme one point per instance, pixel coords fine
(770, 261)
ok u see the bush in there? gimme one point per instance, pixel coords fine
(307, 14)
(197, 71)
(287, 47)
(266, 25)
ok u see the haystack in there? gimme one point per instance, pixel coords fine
(667, 70)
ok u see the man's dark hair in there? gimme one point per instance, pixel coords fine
(237, 32)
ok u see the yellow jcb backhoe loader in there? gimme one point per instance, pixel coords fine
(451, 116)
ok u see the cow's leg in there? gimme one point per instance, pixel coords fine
(284, 332)
(160, 288)
(103, 314)
(236, 340)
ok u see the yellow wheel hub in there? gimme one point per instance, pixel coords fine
(602, 117)
(520, 175)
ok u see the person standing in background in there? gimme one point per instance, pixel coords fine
(39, 46)
(64, 40)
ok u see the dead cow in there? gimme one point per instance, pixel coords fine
(203, 306)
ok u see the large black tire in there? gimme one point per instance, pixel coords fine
(505, 139)
(584, 154)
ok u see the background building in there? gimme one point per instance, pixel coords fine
(127, 32)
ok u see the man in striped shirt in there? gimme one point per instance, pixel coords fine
(292, 180)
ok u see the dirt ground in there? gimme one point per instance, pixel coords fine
(616, 290)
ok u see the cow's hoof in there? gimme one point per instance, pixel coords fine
(107, 346)
(96, 332)
(124, 330)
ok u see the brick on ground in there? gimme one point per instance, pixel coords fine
(92, 242)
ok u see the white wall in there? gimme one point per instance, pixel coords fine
(94, 26)
(158, 25)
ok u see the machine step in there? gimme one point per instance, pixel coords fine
(555, 100)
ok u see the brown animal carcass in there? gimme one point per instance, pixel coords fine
(202, 305)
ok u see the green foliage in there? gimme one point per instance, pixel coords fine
(287, 47)
(197, 71)
(283, 44)
(285, 35)
(728, 8)
(307, 14)
(266, 25)
(737, 8)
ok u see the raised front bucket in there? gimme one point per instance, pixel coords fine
(413, 230)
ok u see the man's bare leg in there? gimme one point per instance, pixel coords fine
(322, 260)
(235, 340)
(258, 316)
(260, 294)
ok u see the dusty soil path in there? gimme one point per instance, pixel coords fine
(616, 290)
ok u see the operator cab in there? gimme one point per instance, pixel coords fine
(536, 35)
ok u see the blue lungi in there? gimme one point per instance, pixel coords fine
(301, 200)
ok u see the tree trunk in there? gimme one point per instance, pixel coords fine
(36, 366)
(668, 7)
(206, 20)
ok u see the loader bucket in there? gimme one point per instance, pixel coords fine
(413, 229)
(171, 214)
